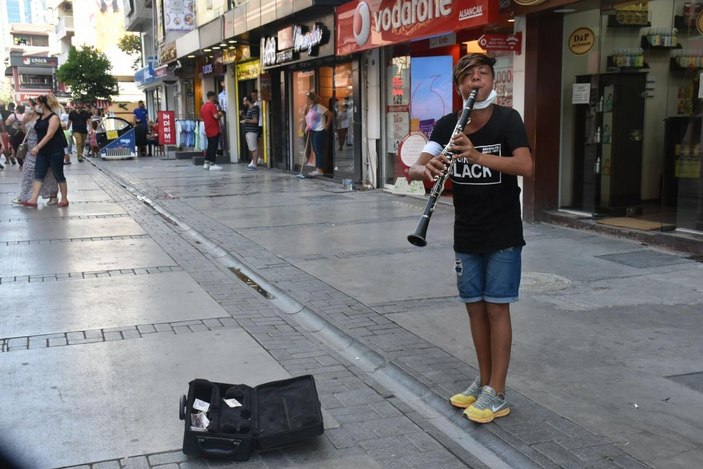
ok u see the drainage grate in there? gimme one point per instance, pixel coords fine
(258, 288)
(691, 380)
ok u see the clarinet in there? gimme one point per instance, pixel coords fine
(418, 236)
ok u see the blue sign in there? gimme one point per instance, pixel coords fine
(125, 142)
(145, 75)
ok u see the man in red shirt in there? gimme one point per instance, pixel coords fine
(210, 113)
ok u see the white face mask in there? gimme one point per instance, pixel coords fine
(38, 109)
(485, 103)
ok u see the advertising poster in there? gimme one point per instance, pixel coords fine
(432, 90)
(178, 15)
(167, 127)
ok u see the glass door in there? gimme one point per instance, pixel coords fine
(345, 124)
(303, 81)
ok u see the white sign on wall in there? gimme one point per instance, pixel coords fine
(581, 93)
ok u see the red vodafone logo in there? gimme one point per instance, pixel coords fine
(362, 23)
(365, 24)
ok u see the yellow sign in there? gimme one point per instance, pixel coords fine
(248, 70)
(111, 134)
(581, 41)
(687, 168)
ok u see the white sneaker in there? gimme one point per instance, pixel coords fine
(206, 165)
(214, 167)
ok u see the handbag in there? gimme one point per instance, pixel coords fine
(22, 149)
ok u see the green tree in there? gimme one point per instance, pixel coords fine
(87, 73)
(131, 44)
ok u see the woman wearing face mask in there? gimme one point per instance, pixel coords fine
(49, 188)
(49, 152)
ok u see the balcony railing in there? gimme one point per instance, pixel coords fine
(64, 27)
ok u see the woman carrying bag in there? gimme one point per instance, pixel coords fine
(49, 188)
(49, 152)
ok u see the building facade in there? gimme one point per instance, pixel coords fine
(577, 71)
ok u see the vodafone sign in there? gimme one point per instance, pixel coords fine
(366, 24)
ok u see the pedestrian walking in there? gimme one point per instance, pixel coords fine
(4, 136)
(66, 127)
(317, 122)
(49, 151)
(14, 129)
(487, 156)
(79, 118)
(251, 131)
(50, 188)
(342, 126)
(210, 115)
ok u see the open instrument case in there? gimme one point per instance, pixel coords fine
(271, 415)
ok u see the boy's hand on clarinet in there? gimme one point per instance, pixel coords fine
(436, 167)
(461, 147)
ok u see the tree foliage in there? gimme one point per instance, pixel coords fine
(87, 73)
(131, 44)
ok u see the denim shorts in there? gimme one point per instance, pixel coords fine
(493, 277)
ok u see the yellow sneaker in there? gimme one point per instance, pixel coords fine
(489, 406)
(468, 397)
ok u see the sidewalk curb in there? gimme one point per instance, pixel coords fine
(485, 446)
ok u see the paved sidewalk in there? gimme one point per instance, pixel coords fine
(606, 362)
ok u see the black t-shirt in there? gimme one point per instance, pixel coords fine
(487, 213)
(79, 121)
(57, 142)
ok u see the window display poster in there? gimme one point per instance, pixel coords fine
(503, 84)
(398, 125)
(167, 127)
(398, 91)
(432, 89)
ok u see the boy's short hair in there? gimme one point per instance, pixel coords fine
(210, 94)
(470, 61)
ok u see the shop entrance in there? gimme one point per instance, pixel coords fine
(337, 89)
(244, 88)
(631, 136)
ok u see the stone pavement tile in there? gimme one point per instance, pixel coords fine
(341, 437)
(167, 458)
(629, 462)
(536, 433)
(136, 462)
(390, 426)
(539, 458)
(557, 453)
(435, 459)
(384, 409)
(107, 465)
(319, 452)
(194, 463)
(590, 453)
(358, 397)
(355, 414)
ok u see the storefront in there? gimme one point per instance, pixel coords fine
(248, 73)
(631, 114)
(416, 86)
(301, 58)
(32, 76)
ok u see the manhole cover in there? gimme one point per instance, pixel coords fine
(540, 282)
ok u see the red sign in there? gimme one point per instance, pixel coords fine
(167, 127)
(511, 42)
(366, 24)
